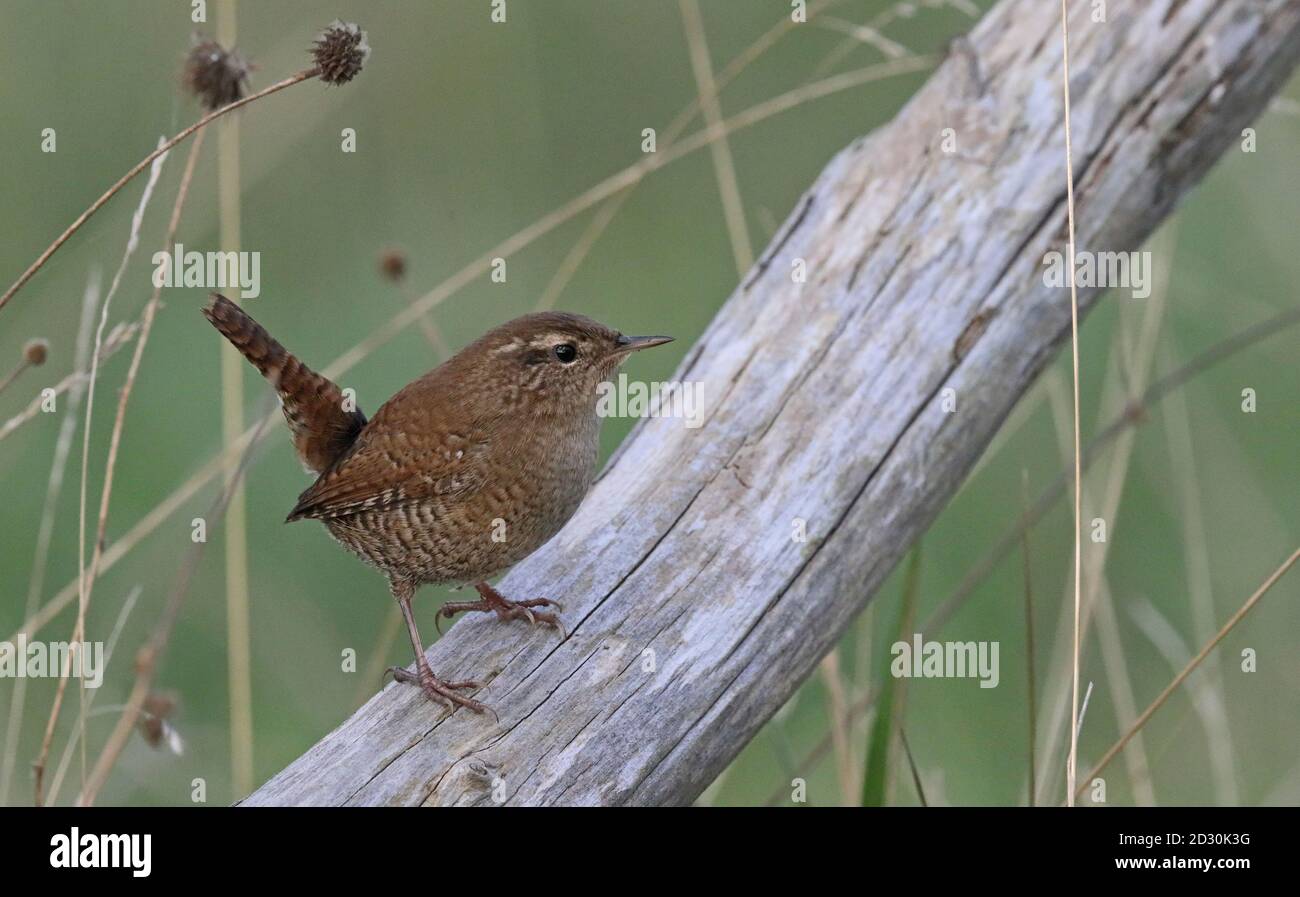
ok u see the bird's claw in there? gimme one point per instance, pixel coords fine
(506, 610)
(439, 691)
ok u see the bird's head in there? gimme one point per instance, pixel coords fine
(550, 362)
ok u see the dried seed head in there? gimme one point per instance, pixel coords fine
(154, 724)
(36, 351)
(217, 76)
(340, 52)
(392, 264)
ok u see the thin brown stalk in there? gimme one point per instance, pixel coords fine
(864, 34)
(1128, 373)
(434, 336)
(13, 375)
(724, 166)
(1083, 710)
(829, 669)
(1188, 670)
(1078, 452)
(150, 654)
(77, 739)
(124, 395)
(235, 543)
(1206, 692)
(141, 166)
(911, 764)
(898, 708)
(876, 26)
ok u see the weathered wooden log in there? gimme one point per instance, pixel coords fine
(693, 610)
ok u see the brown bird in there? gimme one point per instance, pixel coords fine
(463, 472)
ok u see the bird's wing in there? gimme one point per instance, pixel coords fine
(402, 456)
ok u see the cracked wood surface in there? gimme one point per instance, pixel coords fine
(822, 401)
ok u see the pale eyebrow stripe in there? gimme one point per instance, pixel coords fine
(511, 346)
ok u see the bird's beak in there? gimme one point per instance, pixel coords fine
(630, 344)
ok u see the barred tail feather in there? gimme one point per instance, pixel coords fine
(313, 405)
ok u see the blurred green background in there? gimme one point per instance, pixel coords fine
(467, 132)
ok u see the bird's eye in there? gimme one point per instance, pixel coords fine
(566, 352)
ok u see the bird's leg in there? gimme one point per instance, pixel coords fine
(493, 601)
(435, 688)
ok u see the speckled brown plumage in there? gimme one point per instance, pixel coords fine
(463, 472)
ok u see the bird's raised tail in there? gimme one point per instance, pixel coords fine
(314, 407)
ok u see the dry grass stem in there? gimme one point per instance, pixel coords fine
(1078, 463)
(724, 167)
(84, 587)
(45, 530)
(864, 34)
(235, 541)
(857, 36)
(150, 654)
(838, 714)
(33, 356)
(1128, 372)
(76, 739)
(911, 765)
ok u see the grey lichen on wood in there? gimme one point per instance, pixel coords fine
(693, 612)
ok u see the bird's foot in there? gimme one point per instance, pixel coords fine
(493, 602)
(438, 690)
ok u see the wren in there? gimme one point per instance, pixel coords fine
(464, 472)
